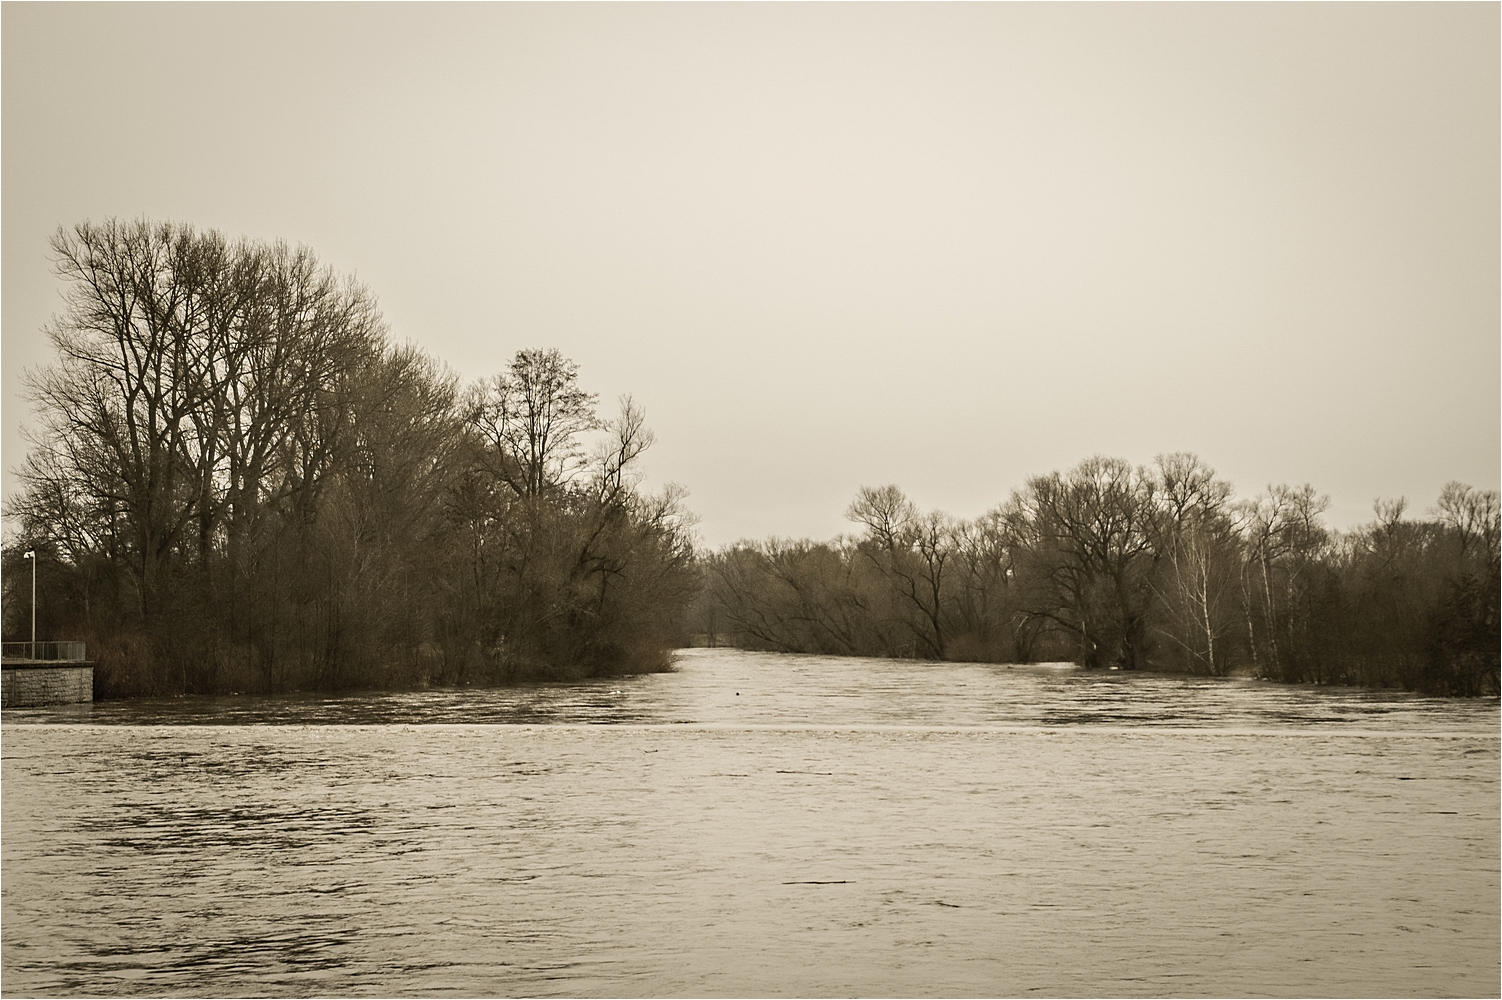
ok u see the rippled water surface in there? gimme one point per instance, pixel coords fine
(758, 825)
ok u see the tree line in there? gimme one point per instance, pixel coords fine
(240, 482)
(1132, 567)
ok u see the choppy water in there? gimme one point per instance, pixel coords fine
(759, 825)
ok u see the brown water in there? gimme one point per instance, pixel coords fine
(759, 825)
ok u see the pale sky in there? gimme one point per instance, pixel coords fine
(947, 246)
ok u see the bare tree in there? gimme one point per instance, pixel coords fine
(1093, 533)
(530, 418)
(1282, 535)
(119, 405)
(912, 550)
(1193, 548)
(1196, 588)
(1474, 515)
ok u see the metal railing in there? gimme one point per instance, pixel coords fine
(63, 651)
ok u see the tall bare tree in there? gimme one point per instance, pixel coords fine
(530, 418)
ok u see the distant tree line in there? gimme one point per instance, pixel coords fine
(240, 483)
(1116, 565)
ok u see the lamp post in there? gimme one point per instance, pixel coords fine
(32, 555)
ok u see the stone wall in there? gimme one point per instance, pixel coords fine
(21, 687)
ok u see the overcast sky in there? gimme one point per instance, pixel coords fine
(827, 245)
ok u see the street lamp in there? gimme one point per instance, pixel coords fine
(32, 555)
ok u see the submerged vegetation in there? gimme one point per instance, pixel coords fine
(240, 483)
(1113, 565)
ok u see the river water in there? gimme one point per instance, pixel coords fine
(758, 825)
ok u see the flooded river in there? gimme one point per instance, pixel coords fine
(758, 825)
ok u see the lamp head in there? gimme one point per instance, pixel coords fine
(30, 555)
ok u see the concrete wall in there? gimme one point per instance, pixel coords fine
(21, 687)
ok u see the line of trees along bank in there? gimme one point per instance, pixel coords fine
(241, 484)
(1115, 565)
